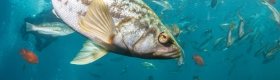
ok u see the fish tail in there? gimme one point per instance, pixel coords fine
(29, 27)
(21, 51)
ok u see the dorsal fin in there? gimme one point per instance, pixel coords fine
(98, 22)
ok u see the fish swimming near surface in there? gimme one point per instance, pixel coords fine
(29, 56)
(126, 27)
(276, 14)
(198, 60)
(50, 28)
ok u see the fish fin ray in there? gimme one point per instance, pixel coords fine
(90, 52)
(98, 21)
(29, 26)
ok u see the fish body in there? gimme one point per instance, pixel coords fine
(207, 32)
(29, 56)
(231, 69)
(274, 12)
(272, 51)
(240, 26)
(268, 60)
(126, 27)
(196, 78)
(230, 40)
(198, 60)
(260, 50)
(219, 44)
(53, 28)
(205, 43)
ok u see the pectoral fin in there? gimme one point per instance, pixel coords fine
(98, 22)
(90, 52)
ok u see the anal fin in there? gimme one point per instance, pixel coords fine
(90, 52)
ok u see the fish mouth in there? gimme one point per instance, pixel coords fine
(171, 54)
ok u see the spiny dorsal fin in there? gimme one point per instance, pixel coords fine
(98, 22)
(90, 52)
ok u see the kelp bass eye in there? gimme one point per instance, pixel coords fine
(163, 38)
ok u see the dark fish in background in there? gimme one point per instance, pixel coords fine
(249, 49)
(175, 71)
(187, 18)
(231, 69)
(181, 8)
(124, 70)
(98, 64)
(250, 77)
(236, 58)
(23, 67)
(213, 3)
(205, 43)
(94, 75)
(267, 60)
(117, 59)
(207, 32)
(254, 38)
(260, 50)
(151, 77)
(228, 58)
(196, 78)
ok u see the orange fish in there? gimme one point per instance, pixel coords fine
(29, 56)
(272, 1)
(198, 60)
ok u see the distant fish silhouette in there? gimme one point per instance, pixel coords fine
(213, 3)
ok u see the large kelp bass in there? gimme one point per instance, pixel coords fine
(126, 27)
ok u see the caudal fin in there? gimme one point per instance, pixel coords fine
(29, 27)
(21, 51)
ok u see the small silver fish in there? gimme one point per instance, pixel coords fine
(240, 26)
(53, 28)
(164, 4)
(230, 40)
(126, 27)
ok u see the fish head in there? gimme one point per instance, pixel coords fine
(158, 43)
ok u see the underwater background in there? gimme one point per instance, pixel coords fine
(235, 63)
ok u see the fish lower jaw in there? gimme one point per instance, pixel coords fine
(172, 54)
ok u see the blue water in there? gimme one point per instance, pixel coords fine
(54, 60)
